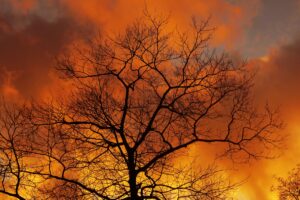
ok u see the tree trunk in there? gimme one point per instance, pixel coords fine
(132, 178)
(133, 186)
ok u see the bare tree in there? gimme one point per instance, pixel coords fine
(13, 152)
(138, 101)
(289, 188)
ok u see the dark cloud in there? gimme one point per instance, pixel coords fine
(29, 43)
(276, 22)
(280, 75)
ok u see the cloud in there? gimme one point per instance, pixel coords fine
(280, 74)
(9, 92)
(33, 32)
(231, 19)
(30, 41)
(278, 83)
(275, 23)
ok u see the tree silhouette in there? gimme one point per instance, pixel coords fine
(138, 100)
(289, 188)
(13, 152)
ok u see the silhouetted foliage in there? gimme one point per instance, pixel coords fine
(289, 187)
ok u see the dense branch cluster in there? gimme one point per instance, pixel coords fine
(289, 188)
(138, 100)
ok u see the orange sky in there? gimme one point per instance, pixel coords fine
(34, 32)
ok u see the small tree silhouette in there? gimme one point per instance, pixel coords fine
(289, 188)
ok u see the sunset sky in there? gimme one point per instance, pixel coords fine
(264, 32)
